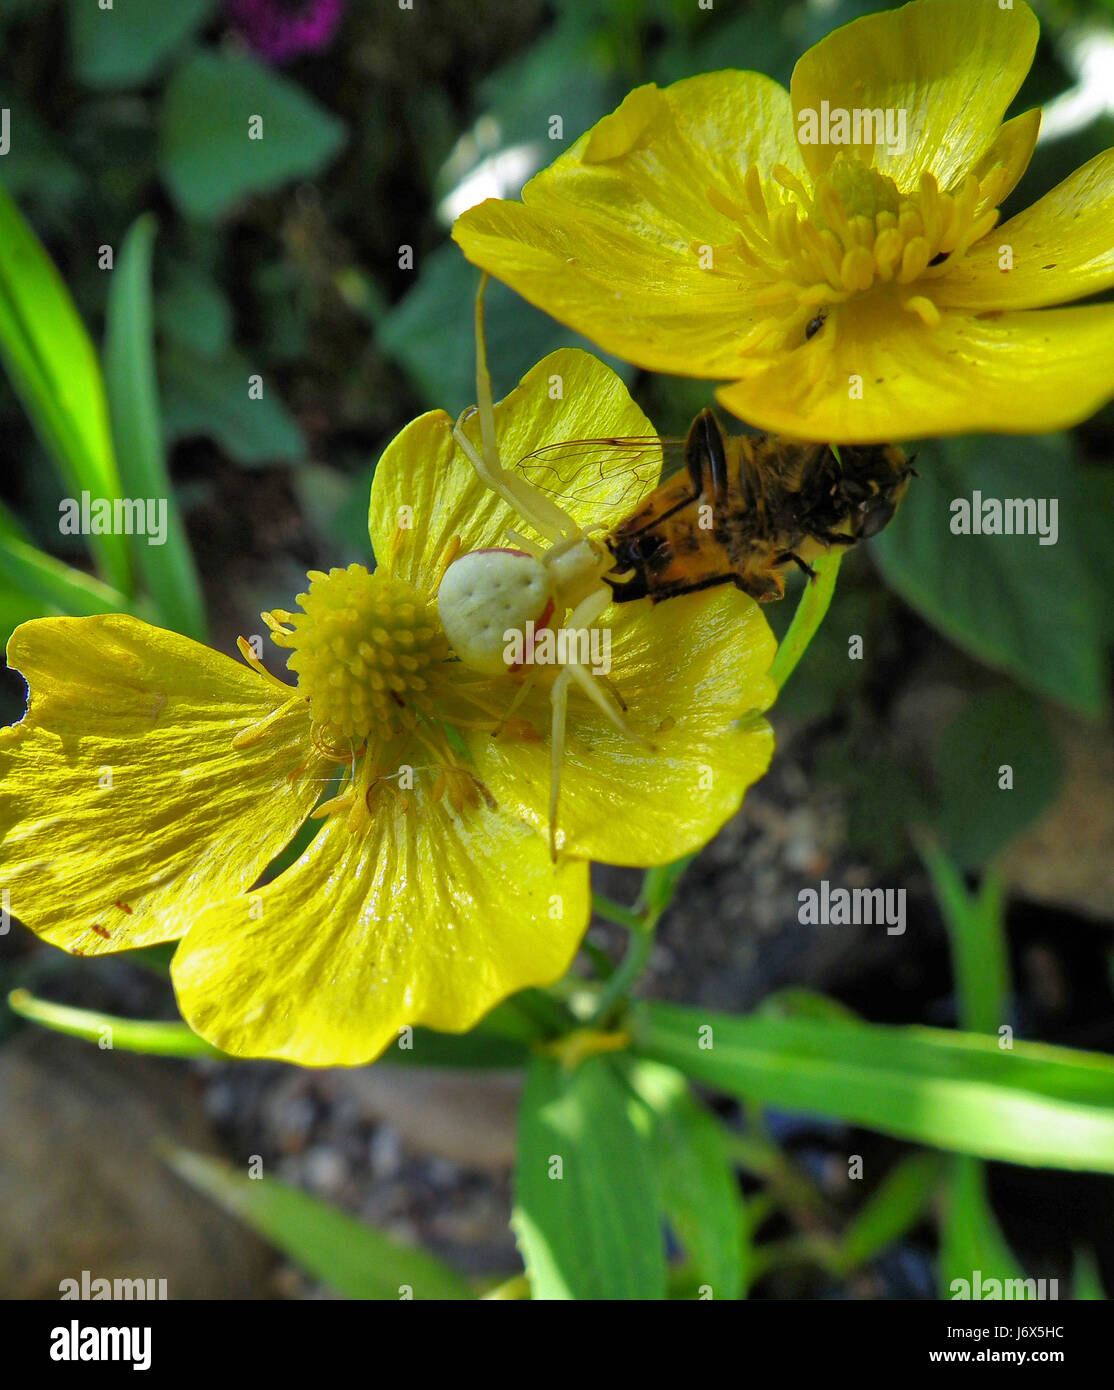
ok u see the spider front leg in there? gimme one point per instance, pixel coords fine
(587, 612)
(542, 513)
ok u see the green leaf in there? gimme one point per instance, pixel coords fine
(976, 933)
(1037, 1104)
(15, 608)
(1087, 1281)
(795, 1001)
(1030, 609)
(698, 1184)
(586, 1208)
(891, 1210)
(56, 585)
(54, 369)
(976, 817)
(971, 1238)
(430, 333)
(35, 164)
(210, 397)
(167, 569)
(207, 159)
(126, 45)
(173, 1039)
(192, 310)
(354, 1259)
(479, 1048)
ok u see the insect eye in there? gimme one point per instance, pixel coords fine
(876, 516)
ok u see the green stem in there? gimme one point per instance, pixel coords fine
(628, 970)
(808, 617)
(616, 913)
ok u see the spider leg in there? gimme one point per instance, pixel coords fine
(542, 513)
(559, 698)
(582, 616)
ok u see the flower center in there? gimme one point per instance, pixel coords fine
(365, 648)
(856, 232)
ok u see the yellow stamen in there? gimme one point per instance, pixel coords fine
(366, 648)
(855, 233)
(925, 310)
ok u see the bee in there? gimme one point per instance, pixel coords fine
(742, 509)
(746, 507)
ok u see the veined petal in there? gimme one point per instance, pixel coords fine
(953, 66)
(1062, 248)
(424, 470)
(427, 918)
(619, 238)
(1012, 148)
(124, 807)
(694, 675)
(1003, 373)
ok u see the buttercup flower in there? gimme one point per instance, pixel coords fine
(853, 292)
(152, 780)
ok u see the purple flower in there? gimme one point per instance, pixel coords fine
(280, 30)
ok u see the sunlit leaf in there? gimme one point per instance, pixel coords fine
(1032, 1103)
(586, 1208)
(54, 369)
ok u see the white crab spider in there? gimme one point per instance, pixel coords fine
(486, 593)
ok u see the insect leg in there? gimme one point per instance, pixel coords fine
(803, 566)
(713, 581)
(835, 538)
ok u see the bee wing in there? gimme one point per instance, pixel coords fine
(611, 474)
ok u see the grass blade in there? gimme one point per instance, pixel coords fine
(167, 570)
(156, 1039)
(55, 584)
(354, 1259)
(1034, 1103)
(53, 367)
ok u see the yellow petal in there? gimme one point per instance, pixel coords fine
(428, 918)
(1019, 373)
(124, 807)
(424, 471)
(953, 66)
(694, 674)
(1012, 148)
(619, 239)
(1062, 248)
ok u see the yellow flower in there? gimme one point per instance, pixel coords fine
(849, 292)
(152, 780)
